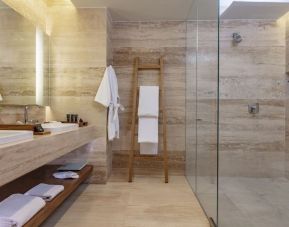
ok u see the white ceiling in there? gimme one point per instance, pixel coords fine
(142, 10)
(255, 10)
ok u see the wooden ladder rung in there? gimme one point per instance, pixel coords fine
(160, 89)
(160, 133)
(149, 66)
(149, 157)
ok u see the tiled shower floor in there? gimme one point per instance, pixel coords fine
(253, 202)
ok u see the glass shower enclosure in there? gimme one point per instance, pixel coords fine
(202, 104)
(237, 111)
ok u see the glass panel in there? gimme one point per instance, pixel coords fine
(207, 103)
(253, 179)
(191, 95)
(202, 103)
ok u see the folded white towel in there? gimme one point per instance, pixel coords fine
(149, 148)
(18, 209)
(45, 191)
(66, 175)
(148, 130)
(148, 101)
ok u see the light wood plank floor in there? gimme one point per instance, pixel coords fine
(147, 202)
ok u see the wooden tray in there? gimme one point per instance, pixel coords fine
(41, 133)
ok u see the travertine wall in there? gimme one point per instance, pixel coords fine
(12, 114)
(149, 41)
(80, 51)
(252, 72)
(78, 59)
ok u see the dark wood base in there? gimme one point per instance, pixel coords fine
(44, 175)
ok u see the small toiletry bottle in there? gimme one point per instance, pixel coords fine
(68, 117)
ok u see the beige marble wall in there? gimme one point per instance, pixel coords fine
(12, 114)
(80, 51)
(109, 44)
(149, 41)
(78, 59)
(252, 71)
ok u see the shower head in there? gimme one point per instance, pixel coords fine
(237, 38)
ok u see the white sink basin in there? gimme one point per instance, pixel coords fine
(9, 136)
(59, 127)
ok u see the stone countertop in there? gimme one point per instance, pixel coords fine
(17, 159)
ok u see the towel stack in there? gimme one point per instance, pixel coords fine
(45, 191)
(148, 113)
(18, 209)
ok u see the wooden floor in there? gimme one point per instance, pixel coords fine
(147, 202)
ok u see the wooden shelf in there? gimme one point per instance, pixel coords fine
(44, 175)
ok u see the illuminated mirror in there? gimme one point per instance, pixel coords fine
(24, 60)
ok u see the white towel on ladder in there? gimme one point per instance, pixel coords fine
(148, 112)
(148, 130)
(148, 101)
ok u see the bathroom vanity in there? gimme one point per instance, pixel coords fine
(19, 158)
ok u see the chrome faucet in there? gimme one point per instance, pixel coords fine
(26, 114)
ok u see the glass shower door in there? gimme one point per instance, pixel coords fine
(253, 156)
(202, 105)
(207, 107)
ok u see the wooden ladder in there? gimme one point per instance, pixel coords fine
(134, 153)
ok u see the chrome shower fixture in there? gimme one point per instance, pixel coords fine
(237, 38)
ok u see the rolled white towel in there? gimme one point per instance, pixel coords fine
(45, 191)
(18, 209)
(66, 175)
